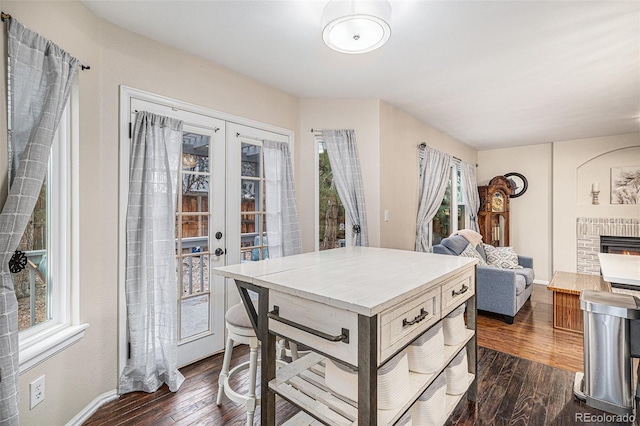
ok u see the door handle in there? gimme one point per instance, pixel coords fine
(220, 252)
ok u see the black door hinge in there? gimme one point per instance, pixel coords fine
(130, 135)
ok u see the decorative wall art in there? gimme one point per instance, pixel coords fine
(625, 185)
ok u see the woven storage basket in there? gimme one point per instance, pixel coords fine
(431, 407)
(393, 381)
(453, 326)
(458, 374)
(426, 353)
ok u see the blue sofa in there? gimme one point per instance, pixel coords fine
(502, 291)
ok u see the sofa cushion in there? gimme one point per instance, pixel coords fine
(521, 284)
(482, 252)
(470, 251)
(455, 243)
(528, 275)
(502, 257)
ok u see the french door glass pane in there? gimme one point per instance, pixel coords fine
(195, 152)
(195, 273)
(251, 160)
(253, 243)
(192, 235)
(195, 316)
(195, 226)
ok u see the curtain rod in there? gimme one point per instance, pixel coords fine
(424, 145)
(249, 137)
(5, 17)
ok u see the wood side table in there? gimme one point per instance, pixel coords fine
(566, 287)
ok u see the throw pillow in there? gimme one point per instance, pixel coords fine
(501, 257)
(470, 251)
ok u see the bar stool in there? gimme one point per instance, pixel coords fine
(239, 330)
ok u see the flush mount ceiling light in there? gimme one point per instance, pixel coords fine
(356, 26)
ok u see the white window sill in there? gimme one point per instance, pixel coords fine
(41, 346)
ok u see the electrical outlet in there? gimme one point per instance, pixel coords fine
(36, 392)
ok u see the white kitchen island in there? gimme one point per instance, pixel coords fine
(359, 306)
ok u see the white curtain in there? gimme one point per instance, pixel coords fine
(470, 193)
(345, 166)
(40, 78)
(151, 263)
(435, 168)
(283, 229)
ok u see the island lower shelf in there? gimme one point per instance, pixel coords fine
(302, 383)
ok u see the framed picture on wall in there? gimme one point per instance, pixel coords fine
(625, 185)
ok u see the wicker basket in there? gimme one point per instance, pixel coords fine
(431, 407)
(426, 353)
(458, 374)
(393, 381)
(453, 326)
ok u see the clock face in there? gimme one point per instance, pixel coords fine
(497, 202)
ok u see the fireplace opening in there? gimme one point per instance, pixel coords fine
(620, 245)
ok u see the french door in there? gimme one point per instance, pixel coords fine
(200, 230)
(220, 216)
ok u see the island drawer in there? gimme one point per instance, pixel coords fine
(400, 325)
(313, 324)
(457, 289)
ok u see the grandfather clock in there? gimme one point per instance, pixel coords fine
(493, 217)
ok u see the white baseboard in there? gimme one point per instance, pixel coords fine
(541, 282)
(93, 406)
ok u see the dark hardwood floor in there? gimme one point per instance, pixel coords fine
(525, 377)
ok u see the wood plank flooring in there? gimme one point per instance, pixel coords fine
(532, 336)
(517, 381)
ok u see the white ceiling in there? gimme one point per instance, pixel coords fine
(490, 74)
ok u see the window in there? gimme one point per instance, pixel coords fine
(44, 287)
(332, 221)
(451, 215)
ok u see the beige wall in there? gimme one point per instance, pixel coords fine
(388, 141)
(560, 175)
(400, 134)
(530, 224)
(87, 369)
(576, 165)
(361, 115)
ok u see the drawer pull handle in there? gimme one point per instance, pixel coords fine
(462, 290)
(344, 337)
(423, 315)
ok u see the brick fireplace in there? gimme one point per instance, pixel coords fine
(590, 229)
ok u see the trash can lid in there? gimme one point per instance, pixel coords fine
(615, 304)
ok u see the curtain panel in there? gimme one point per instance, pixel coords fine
(470, 193)
(283, 228)
(151, 279)
(434, 177)
(345, 166)
(34, 115)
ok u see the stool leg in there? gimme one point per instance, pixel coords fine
(280, 348)
(253, 372)
(225, 370)
(294, 351)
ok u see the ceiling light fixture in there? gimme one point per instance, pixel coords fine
(356, 26)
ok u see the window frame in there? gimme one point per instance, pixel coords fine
(41, 341)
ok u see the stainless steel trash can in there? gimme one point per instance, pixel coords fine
(608, 375)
